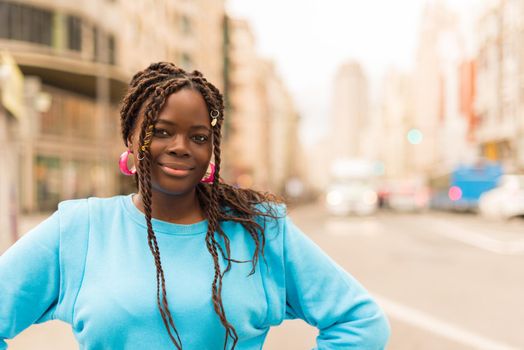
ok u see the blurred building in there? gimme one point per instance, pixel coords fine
(319, 164)
(500, 82)
(427, 89)
(11, 114)
(437, 115)
(454, 145)
(189, 33)
(246, 159)
(282, 125)
(397, 120)
(262, 125)
(77, 58)
(350, 108)
(468, 94)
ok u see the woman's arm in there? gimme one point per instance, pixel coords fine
(327, 297)
(30, 279)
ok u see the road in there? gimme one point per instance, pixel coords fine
(446, 281)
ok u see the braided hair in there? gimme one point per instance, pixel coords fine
(154, 85)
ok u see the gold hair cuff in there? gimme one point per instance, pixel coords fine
(214, 117)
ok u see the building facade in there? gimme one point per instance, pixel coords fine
(396, 120)
(11, 113)
(438, 94)
(77, 58)
(500, 83)
(262, 122)
(350, 108)
(282, 125)
(245, 160)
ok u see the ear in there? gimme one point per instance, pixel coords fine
(131, 141)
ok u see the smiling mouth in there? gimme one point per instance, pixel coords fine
(175, 170)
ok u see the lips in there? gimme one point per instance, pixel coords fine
(175, 169)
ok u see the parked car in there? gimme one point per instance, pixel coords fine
(408, 195)
(506, 200)
(352, 187)
(351, 197)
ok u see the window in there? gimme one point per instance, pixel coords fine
(48, 181)
(185, 24)
(74, 33)
(4, 20)
(70, 115)
(51, 120)
(41, 26)
(111, 49)
(25, 23)
(104, 47)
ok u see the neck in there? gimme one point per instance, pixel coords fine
(179, 209)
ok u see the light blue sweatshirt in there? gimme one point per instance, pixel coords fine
(89, 265)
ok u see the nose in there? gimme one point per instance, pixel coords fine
(178, 147)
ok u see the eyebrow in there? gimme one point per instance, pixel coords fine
(192, 127)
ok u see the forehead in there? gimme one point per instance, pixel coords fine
(185, 104)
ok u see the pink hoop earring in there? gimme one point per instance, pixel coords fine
(209, 177)
(122, 164)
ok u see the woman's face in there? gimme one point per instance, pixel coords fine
(181, 145)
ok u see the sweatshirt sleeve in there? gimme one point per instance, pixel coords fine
(29, 279)
(324, 295)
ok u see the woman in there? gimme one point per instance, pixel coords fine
(228, 262)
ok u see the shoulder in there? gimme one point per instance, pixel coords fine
(272, 213)
(267, 216)
(272, 209)
(263, 211)
(272, 216)
(75, 205)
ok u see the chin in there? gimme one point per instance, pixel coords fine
(173, 189)
(174, 186)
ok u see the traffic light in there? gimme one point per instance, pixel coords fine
(415, 136)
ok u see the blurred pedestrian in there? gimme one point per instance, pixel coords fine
(228, 262)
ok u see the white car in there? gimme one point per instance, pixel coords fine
(407, 196)
(353, 197)
(504, 201)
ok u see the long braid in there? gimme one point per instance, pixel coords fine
(152, 86)
(214, 210)
(209, 91)
(145, 190)
(214, 215)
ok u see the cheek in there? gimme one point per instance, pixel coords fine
(156, 148)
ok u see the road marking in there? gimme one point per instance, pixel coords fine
(444, 329)
(477, 240)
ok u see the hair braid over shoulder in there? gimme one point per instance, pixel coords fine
(149, 90)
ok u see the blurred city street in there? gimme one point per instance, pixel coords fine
(446, 281)
(396, 131)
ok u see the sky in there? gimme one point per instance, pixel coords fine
(309, 39)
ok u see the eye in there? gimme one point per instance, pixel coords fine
(160, 132)
(200, 138)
